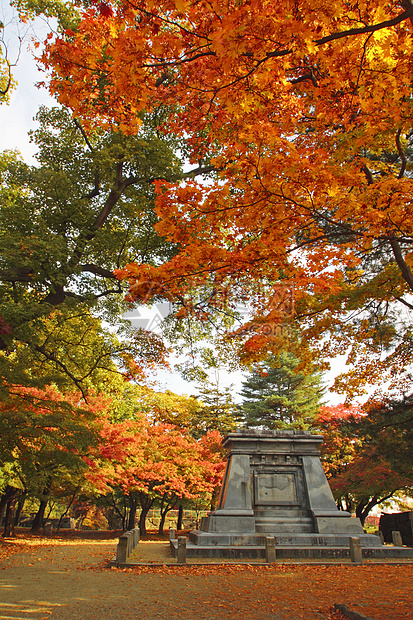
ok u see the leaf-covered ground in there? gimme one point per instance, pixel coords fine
(69, 579)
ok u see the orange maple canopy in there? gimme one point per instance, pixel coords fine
(303, 111)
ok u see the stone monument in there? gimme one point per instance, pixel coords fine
(275, 486)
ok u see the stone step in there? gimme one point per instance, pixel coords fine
(300, 552)
(269, 523)
(288, 513)
(274, 528)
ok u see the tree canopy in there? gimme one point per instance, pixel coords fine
(305, 109)
(367, 453)
(65, 225)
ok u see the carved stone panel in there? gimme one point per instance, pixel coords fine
(275, 488)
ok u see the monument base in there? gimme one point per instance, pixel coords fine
(274, 486)
(289, 551)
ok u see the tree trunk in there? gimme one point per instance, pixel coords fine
(3, 503)
(10, 511)
(8, 494)
(180, 517)
(363, 508)
(38, 520)
(146, 504)
(132, 512)
(67, 510)
(19, 509)
(164, 511)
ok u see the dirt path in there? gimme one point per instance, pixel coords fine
(70, 580)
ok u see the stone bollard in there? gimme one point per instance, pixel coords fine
(181, 553)
(122, 549)
(397, 539)
(355, 550)
(380, 534)
(270, 554)
(135, 535)
(172, 533)
(202, 525)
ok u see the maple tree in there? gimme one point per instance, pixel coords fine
(305, 110)
(364, 463)
(154, 462)
(43, 438)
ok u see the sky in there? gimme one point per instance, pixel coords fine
(17, 119)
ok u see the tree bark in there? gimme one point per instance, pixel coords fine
(146, 504)
(8, 494)
(38, 520)
(132, 512)
(20, 505)
(10, 512)
(164, 511)
(180, 517)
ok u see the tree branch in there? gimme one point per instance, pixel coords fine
(17, 274)
(368, 174)
(98, 271)
(408, 14)
(404, 302)
(52, 358)
(199, 170)
(404, 268)
(402, 154)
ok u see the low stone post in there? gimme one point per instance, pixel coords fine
(136, 535)
(270, 554)
(380, 534)
(181, 553)
(204, 521)
(171, 533)
(122, 549)
(397, 539)
(355, 550)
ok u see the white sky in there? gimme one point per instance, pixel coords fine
(17, 119)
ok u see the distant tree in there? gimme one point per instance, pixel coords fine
(278, 395)
(367, 453)
(212, 409)
(216, 408)
(44, 436)
(154, 463)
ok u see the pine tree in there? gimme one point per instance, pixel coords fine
(276, 395)
(218, 410)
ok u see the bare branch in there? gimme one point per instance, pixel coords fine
(404, 302)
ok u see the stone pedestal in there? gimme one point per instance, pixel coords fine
(274, 486)
(274, 483)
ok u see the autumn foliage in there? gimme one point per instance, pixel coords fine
(360, 463)
(56, 445)
(302, 110)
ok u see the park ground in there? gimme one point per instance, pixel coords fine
(69, 578)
